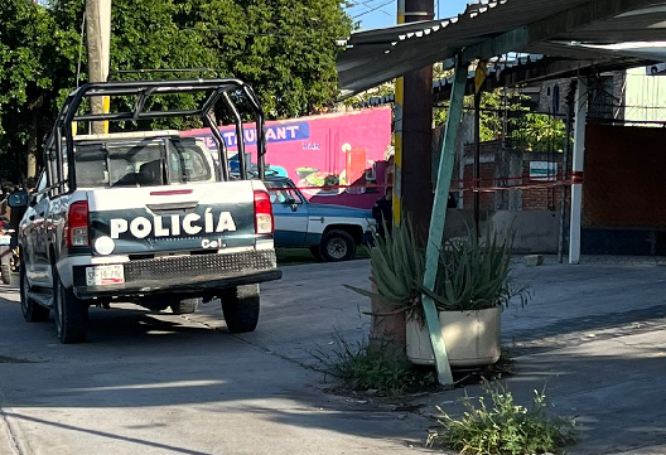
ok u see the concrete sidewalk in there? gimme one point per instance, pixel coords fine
(610, 380)
(593, 335)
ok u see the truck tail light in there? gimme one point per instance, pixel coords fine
(77, 225)
(263, 213)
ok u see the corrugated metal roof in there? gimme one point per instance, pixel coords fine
(375, 56)
(443, 85)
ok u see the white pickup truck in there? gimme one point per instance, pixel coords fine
(145, 217)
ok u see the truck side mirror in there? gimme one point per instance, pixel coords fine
(291, 202)
(18, 200)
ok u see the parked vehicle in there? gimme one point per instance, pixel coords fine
(145, 217)
(331, 232)
(6, 257)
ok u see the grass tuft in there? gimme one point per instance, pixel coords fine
(504, 428)
(363, 367)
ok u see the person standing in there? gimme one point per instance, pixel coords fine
(5, 210)
(382, 212)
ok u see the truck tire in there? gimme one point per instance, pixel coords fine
(71, 314)
(185, 306)
(240, 306)
(6, 272)
(32, 311)
(337, 246)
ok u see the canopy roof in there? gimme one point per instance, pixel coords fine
(613, 34)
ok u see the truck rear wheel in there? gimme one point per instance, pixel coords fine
(185, 306)
(6, 271)
(240, 306)
(71, 314)
(32, 311)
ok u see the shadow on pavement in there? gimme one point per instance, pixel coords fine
(103, 434)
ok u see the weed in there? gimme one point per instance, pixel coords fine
(505, 428)
(363, 367)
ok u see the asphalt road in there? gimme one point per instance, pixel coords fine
(163, 384)
(595, 334)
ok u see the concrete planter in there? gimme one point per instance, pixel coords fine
(472, 338)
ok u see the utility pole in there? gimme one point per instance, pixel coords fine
(98, 32)
(413, 190)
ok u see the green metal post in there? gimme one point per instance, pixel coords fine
(436, 234)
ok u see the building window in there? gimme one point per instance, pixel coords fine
(556, 99)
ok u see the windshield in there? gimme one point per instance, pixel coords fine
(145, 163)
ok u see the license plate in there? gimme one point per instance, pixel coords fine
(105, 275)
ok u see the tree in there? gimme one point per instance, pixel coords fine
(285, 48)
(541, 133)
(33, 66)
(146, 35)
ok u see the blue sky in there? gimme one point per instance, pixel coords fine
(382, 13)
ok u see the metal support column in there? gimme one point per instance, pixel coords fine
(561, 244)
(577, 171)
(438, 220)
(397, 135)
(477, 162)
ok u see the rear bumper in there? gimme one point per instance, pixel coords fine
(199, 275)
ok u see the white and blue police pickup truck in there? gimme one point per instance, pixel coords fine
(331, 232)
(145, 217)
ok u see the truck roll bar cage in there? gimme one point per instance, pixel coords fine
(143, 90)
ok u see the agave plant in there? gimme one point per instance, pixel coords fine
(475, 275)
(472, 275)
(397, 267)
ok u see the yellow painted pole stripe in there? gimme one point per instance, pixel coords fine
(397, 136)
(106, 101)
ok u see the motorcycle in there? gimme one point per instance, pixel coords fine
(7, 257)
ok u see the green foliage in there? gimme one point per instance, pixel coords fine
(541, 133)
(285, 48)
(363, 367)
(397, 263)
(31, 73)
(505, 428)
(475, 275)
(384, 90)
(492, 106)
(472, 275)
(397, 267)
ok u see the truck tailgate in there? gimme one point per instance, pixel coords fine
(180, 218)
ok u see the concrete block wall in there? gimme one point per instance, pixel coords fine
(533, 232)
(498, 163)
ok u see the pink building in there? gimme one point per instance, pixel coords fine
(333, 158)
